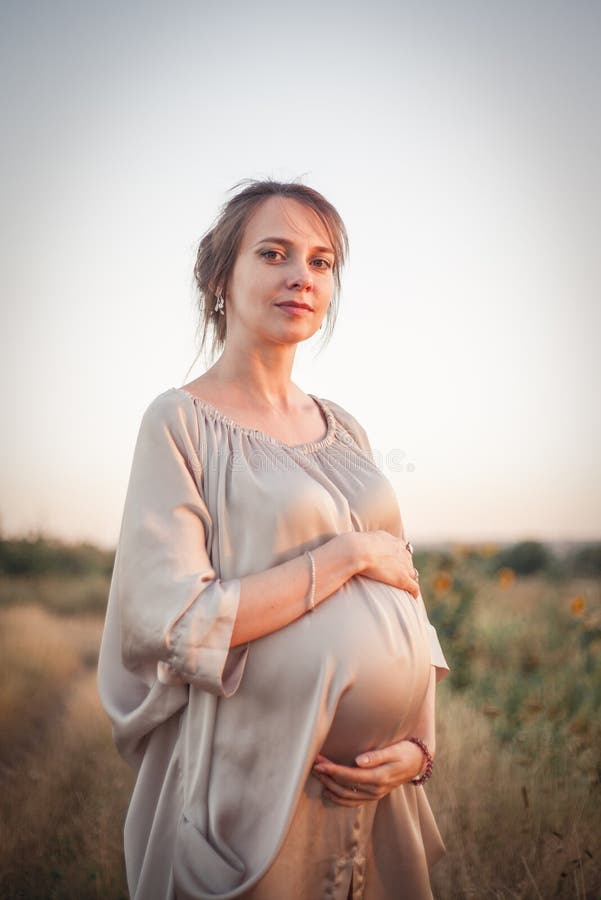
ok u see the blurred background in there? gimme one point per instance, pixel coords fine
(460, 143)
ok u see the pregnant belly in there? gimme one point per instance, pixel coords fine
(355, 670)
(346, 678)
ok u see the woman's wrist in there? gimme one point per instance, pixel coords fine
(427, 761)
(355, 549)
(416, 762)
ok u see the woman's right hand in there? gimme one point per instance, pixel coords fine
(386, 558)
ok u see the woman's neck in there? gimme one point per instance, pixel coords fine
(263, 377)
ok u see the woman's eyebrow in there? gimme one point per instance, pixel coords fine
(287, 243)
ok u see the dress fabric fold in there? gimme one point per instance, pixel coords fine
(223, 739)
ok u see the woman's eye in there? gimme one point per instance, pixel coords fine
(274, 255)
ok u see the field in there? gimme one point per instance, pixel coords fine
(516, 788)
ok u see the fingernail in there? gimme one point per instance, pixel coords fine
(361, 760)
(318, 768)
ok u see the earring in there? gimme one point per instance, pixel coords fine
(220, 304)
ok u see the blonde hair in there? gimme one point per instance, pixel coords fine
(219, 247)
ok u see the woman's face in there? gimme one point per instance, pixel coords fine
(285, 257)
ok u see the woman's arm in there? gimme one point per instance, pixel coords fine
(264, 607)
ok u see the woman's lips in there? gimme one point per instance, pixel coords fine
(293, 310)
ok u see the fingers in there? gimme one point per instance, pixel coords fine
(407, 554)
(347, 785)
(413, 575)
(349, 789)
(383, 757)
(413, 588)
(342, 779)
(391, 765)
(346, 794)
(344, 774)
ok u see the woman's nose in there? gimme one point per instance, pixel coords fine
(301, 280)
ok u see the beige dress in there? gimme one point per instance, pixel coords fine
(223, 740)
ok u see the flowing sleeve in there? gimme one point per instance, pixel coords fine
(169, 617)
(359, 434)
(436, 655)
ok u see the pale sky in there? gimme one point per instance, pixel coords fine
(460, 141)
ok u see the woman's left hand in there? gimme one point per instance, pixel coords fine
(377, 773)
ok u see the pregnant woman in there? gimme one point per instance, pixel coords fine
(267, 661)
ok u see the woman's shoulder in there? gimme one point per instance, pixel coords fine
(169, 420)
(350, 424)
(173, 407)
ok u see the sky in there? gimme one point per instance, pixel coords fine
(460, 142)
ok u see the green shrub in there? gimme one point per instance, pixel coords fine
(525, 558)
(585, 561)
(43, 555)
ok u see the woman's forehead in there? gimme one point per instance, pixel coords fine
(287, 218)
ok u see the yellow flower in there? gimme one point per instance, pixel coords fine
(442, 582)
(577, 605)
(506, 577)
(462, 550)
(489, 549)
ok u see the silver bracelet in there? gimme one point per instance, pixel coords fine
(311, 606)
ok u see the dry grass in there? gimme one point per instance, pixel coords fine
(65, 792)
(37, 664)
(516, 789)
(518, 779)
(514, 827)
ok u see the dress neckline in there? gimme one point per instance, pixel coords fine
(307, 446)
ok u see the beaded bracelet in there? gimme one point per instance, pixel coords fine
(311, 606)
(419, 779)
